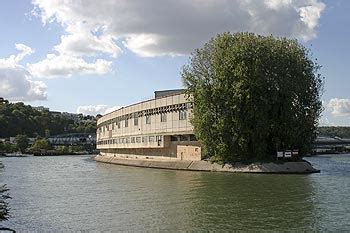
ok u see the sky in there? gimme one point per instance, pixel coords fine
(91, 57)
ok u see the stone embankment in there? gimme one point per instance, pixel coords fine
(301, 167)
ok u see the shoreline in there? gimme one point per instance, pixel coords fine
(300, 167)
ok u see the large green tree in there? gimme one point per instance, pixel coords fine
(253, 95)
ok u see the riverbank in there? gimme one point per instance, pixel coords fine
(301, 167)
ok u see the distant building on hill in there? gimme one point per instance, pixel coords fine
(41, 108)
(72, 116)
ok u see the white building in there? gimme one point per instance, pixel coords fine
(159, 127)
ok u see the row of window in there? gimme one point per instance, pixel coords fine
(144, 139)
(147, 112)
(163, 118)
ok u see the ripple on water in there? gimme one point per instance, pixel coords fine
(75, 193)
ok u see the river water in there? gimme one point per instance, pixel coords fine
(70, 193)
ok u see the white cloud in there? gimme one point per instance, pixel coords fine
(65, 65)
(339, 107)
(84, 42)
(15, 85)
(15, 80)
(12, 60)
(96, 109)
(153, 28)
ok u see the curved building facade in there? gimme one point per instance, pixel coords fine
(157, 128)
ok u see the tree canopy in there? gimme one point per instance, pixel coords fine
(22, 142)
(18, 118)
(253, 95)
(41, 144)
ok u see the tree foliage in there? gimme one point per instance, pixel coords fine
(41, 144)
(7, 147)
(253, 95)
(17, 118)
(22, 142)
(4, 195)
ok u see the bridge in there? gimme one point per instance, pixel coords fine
(73, 139)
(331, 144)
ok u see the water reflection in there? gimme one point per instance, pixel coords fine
(242, 202)
(75, 193)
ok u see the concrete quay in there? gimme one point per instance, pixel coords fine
(301, 167)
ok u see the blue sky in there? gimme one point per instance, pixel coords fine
(80, 56)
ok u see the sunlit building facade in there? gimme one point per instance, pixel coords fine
(157, 128)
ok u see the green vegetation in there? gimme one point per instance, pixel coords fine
(41, 144)
(6, 147)
(4, 209)
(17, 118)
(253, 95)
(22, 143)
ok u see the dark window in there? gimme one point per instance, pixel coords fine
(136, 121)
(126, 122)
(183, 138)
(193, 137)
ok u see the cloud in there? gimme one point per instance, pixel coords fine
(15, 85)
(83, 42)
(15, 80)
(96, 109)
(339, 107)
(155, 28)
(64, 65)
(12, 60)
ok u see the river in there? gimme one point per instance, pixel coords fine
(70, 193)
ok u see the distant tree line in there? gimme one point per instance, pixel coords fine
(21, 119)
(334, 131)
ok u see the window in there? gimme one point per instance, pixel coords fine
(126, 122)
(193, 137)
(138, 139)
(151, 139)
(133, 140)
(143, 139)
(119, 125)
(184, 138)
(182, 115)
(113, 126)
(163, 117)
(148, 119)
(136, 120)
(158, 140)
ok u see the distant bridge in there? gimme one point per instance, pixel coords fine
(73, 139)
(323, 144)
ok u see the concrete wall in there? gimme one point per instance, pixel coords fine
(189, 152)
